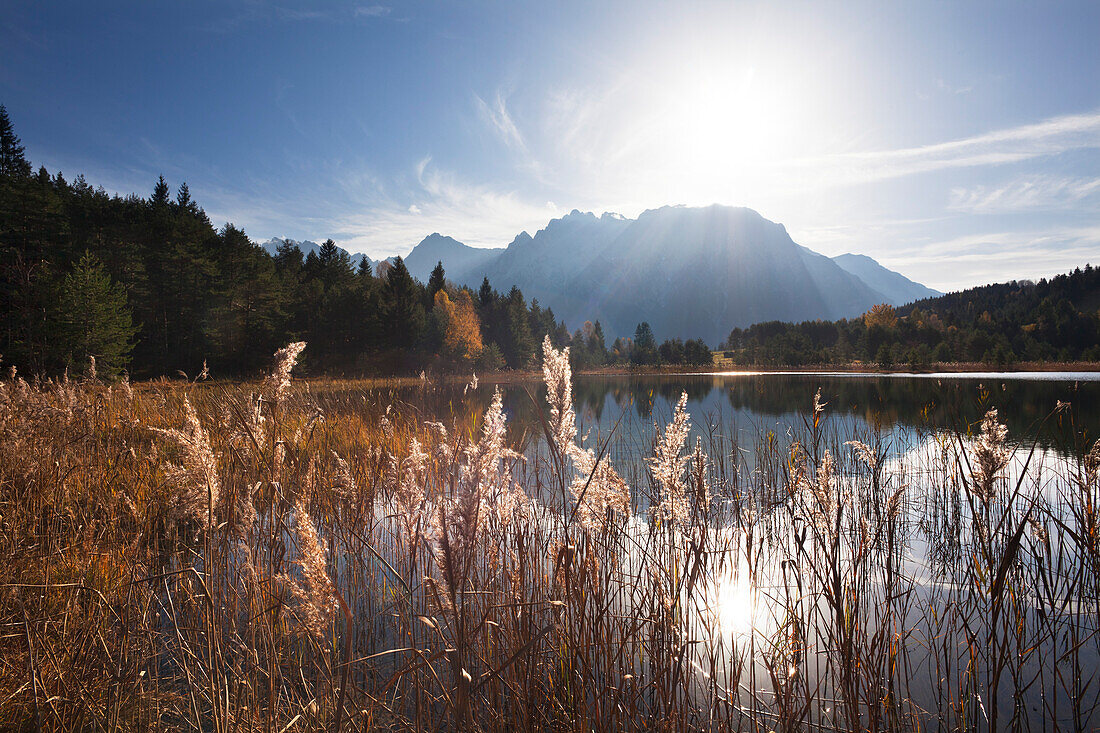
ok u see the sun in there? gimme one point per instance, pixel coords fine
(714, 126)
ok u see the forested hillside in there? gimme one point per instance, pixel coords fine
(1051, 320)
(149, 285)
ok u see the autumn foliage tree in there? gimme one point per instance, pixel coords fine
(881, 315)
(461, 326)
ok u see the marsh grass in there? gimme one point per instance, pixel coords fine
(278, 557)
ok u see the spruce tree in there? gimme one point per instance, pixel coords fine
(12, 160)
(517, 342)
(183, 196)
(328, 252)
(485, 294)
(405, 318)
(160, 193)
(436, 282)
(645, 345)
(597, 346)
(94, 318)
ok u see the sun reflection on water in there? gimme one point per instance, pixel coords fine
(737, 605)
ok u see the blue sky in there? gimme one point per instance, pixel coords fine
(956, 142)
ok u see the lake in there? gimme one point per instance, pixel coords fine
(735, 407)
(953, 606)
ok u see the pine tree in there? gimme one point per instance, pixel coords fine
(645, 345)
(247, 314)
(436, 282)
(405, 318)
(12, 160)
(185, 203)
(94, 318)
(597, 346)
(485, 294)
(517, 343)
(288, 257)
(160, 193)
(328, 252)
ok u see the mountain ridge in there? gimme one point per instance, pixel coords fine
(899, 289)
(463, 259)
(689, 271)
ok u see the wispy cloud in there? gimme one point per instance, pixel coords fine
(943, 86)
(372, 11)
(501, 121)
(478, 215)
(966, 260)
(1012, 145)
(297, 14)
(1026, 194)
(254, 12)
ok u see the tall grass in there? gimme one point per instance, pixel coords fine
(264, 557)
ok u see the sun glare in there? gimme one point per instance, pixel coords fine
(737, 606)
(716, 126)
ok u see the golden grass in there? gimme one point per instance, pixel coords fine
(273, 565)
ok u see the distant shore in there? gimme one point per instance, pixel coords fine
(515, 376)
(856, 367)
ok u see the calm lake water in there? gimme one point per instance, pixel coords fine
(739, 407)
(925, 587)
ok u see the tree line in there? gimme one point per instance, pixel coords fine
(151, 287)
(1052, 320)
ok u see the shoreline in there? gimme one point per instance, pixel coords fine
(837, 370)
(854, 368)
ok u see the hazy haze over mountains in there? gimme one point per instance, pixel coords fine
(898, 289)
(455, 255)
(690, 272)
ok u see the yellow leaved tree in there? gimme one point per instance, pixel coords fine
(881, 315)
(461, 326)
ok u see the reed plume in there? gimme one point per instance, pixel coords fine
(667, 466)
(597, 490)
(196, 476)
(991, 456)
(317, 598)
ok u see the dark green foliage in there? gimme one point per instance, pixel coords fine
(160, 193)
(491, 360)
(436, 282)
(645, 346)
(672, 351)
(885, 356)
(587, 349)
(151, 285)
(1052, 320)
(93, 319)
(693, 352)
(518, 343)
(12, 160)
(697, 353)
(248, 309)
(405, 317)
(485, 294)
(597, 345)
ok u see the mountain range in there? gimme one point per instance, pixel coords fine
(307, 246)
(690, 272)
(898, 288)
